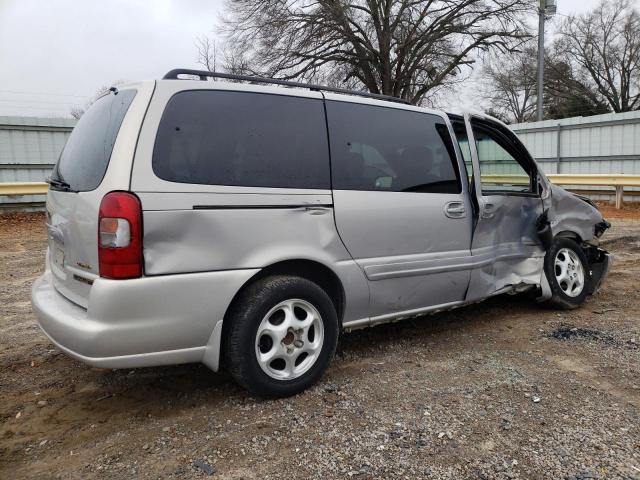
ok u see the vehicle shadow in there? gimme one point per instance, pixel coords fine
(442, 326)
(185, 383)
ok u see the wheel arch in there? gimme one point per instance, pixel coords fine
(571, 235)
(312, 270)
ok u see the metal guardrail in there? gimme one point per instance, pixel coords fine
(599, 180)
(588, 179)
(23, 188)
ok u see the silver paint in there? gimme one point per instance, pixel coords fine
(396, 254)
(405, 244)
(289, 339)
(140, 318)
(505, 236)
(570, 214)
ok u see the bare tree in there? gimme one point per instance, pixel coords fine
(566, 95)
(207, 53)
(404, 48)
(77, 111)
(604, 48)
(510, 85)
(216, 56)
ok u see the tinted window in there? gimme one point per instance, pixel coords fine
(85, 157)
(244, 139)
(388, 149)
(500, 170)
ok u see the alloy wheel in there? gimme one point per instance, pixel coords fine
(569, 272)
(289, 339)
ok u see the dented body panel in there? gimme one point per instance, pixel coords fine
(224, 232)
(505, 245)
(576, 217)
(505, 239)
(569, 213)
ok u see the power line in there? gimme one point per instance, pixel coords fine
(31, 107)
(45, 93)
(34, 105)
(25, 101)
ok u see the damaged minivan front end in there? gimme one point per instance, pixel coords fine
(577, 218)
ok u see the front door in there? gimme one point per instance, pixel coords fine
(399, 205)
(505, 248)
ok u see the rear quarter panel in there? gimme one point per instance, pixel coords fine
(205, 228)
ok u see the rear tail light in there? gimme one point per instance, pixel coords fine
(120, 236)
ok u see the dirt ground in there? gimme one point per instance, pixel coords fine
(629, 211)
(504, 389)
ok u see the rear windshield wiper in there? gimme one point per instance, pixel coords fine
(58, 184)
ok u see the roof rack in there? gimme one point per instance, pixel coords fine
(204, 74)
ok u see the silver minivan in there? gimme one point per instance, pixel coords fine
(245, 225)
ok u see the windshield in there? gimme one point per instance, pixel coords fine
(84, 159)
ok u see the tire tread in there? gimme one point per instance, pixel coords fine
(558, 298)
(239, 334)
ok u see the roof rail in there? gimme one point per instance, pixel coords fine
(204, 74)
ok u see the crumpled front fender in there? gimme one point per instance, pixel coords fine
(569, 213)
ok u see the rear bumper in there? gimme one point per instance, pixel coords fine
(142, 322)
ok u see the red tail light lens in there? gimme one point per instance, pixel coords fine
(120, 236)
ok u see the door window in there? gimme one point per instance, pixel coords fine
(502, 168)
(390, 150)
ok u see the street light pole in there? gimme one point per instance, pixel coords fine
(541, 14)
(546, 9)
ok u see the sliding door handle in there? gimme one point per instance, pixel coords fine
(455, 210)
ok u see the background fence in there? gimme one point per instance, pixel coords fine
(29, 147)
(602, 144)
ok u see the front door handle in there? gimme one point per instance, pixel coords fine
(455, 210)
(489, 210)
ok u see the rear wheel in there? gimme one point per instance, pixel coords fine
(280, 335)
(568, 273)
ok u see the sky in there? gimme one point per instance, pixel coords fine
(55, 54)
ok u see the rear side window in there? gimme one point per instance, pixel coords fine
(84, 159)
(243, 139)
(387, 149)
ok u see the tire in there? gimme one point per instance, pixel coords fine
(284, 308)
(565, 294)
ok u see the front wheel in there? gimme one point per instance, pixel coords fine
(567, 270)
(282, 333)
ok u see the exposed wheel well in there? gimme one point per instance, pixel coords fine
(309, 269)
(571, 235)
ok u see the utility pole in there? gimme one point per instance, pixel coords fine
(547, 8)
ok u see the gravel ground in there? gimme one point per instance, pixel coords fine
(505, 389)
